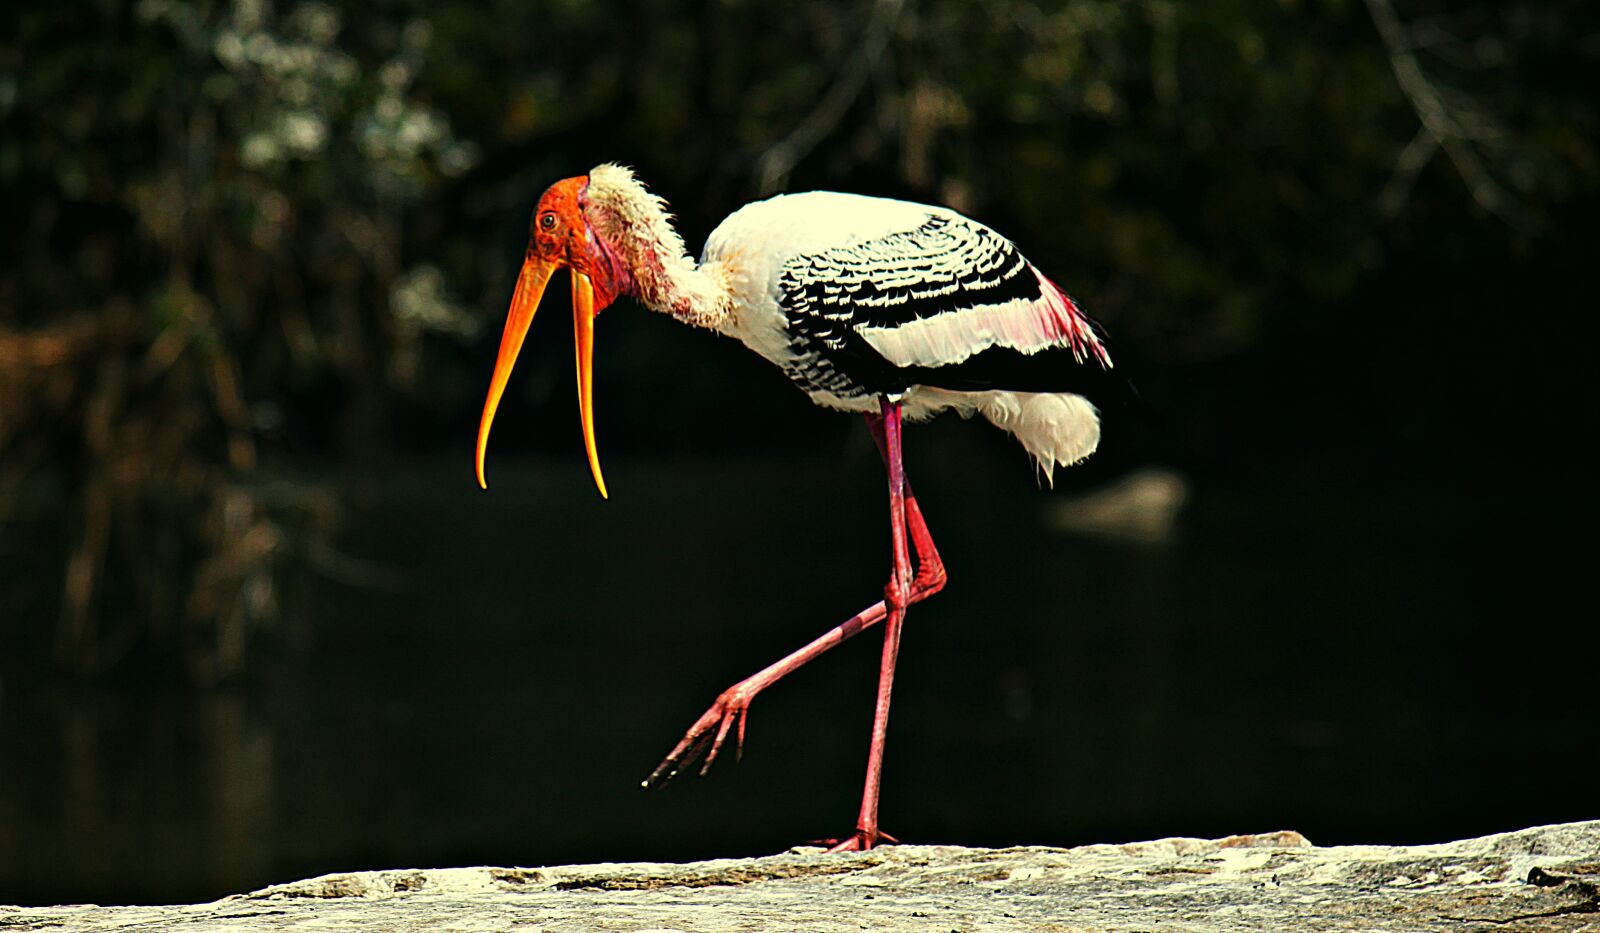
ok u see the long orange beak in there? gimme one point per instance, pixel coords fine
(583, 343)
(524, 302)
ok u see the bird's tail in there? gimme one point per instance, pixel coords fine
(1057, 428)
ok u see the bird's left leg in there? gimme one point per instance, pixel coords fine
(711, 730)
(897, 596)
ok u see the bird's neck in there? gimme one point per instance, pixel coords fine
(672, 283)
(633, 225)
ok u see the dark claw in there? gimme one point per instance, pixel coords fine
(702, 734)
(857, 841)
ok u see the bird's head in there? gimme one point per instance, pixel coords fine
(560, 236)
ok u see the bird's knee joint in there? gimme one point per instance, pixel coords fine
(930, 580)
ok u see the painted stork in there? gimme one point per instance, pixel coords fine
(887, 308)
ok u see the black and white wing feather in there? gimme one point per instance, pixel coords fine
(946, 303)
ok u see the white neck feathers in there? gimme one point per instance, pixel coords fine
(635, 224)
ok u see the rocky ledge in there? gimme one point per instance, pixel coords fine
(1545, 879)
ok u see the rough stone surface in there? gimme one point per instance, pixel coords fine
(1545, 879)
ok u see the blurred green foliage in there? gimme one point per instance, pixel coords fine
(245, 235)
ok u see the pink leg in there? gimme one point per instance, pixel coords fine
(931, 576)
(897, 595)
(710, 731)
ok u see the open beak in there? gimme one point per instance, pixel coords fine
(524, 302)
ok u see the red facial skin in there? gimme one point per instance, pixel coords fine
(560, 234)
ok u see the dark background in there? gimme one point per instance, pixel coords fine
(257, 622)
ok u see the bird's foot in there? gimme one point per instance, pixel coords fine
(861, 840)
(707, 735)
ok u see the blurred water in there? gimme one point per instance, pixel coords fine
(1391, 665)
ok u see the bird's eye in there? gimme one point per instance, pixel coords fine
(547, 222)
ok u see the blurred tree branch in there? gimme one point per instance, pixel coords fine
(774, 165)
(1453, 128)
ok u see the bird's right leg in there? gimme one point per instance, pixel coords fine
(711, 730)
(931, 576)
(897, 594)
